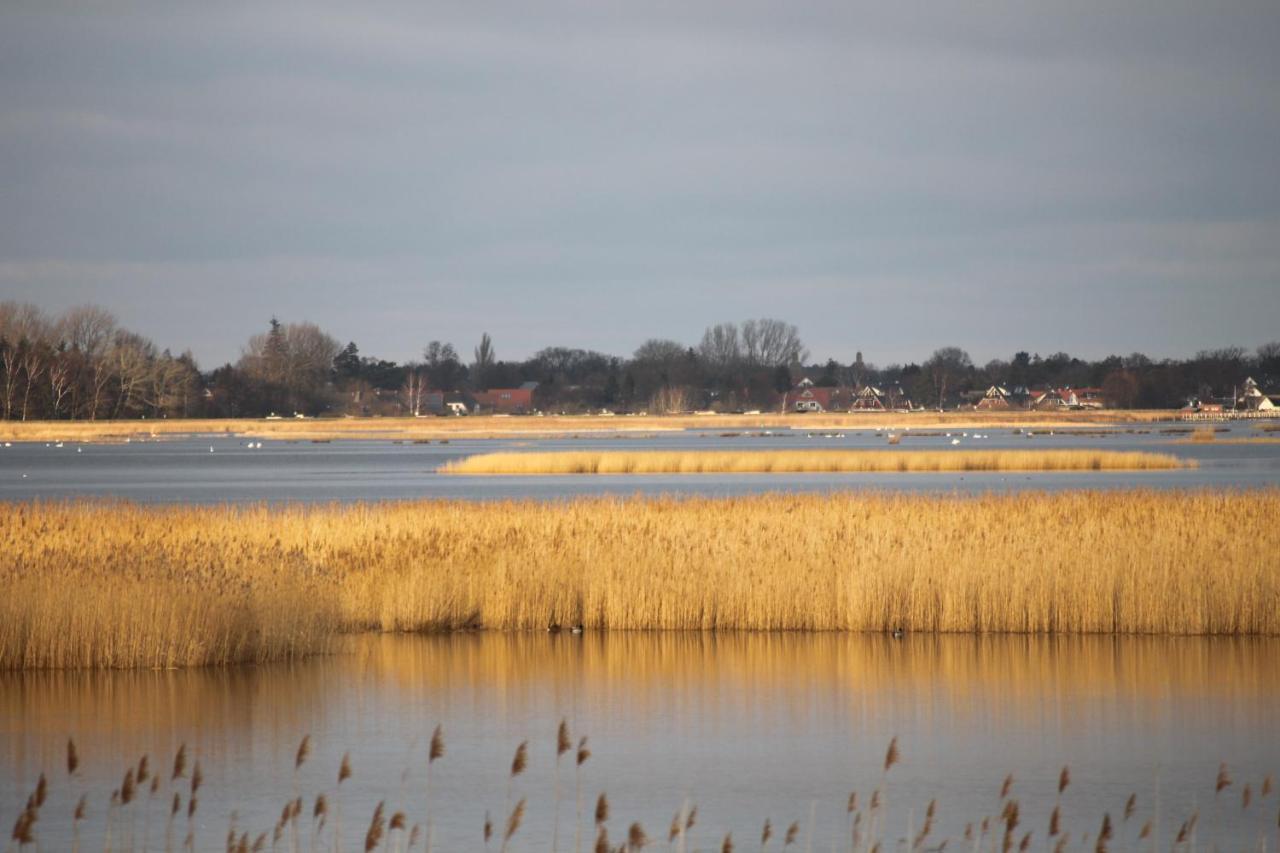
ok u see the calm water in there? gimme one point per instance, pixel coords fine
(745, 726)
(186, 470)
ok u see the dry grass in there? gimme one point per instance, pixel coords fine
(808, 461)
(118, 585)
(1208, 437)
(506, 427)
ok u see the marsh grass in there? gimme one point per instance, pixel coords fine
(808, 461)
(91, 584)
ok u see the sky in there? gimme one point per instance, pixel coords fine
(1094, 177)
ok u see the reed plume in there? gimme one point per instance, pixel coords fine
(513, 823)
(1006, 786)
(563, 745)
(891, 756)
(766, 833)
(1064, 779)
(792, 832)
(304, 749)
(73, 758)
(435, 751)
(581, 758)
(1224, 779)
(726, 846)
(1246, 796)
(373, 837)
(636, 838)
(1129, 806)
(521, 759)
(602, 809)
(602, 841)
(179, 763)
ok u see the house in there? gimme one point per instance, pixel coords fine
(1195, 404)
(506, 401)
(1067, 398)
(869, 399)
(807, 397)
(996, 398)
(1251, 398)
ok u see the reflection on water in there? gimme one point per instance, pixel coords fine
(745, 725)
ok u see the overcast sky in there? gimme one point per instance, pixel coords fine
(892, 177)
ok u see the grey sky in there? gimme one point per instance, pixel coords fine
(1095, 177)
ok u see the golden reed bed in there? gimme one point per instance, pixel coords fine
(808, 461)
(118, 585)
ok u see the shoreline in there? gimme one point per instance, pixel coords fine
(556, 426)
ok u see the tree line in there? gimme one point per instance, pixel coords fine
(82, 364)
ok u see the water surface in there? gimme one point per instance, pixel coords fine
(225, 469)
(744, 725)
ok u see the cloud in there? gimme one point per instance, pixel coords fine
(598, 173)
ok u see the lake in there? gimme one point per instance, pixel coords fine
(185, 470)
(744, 726)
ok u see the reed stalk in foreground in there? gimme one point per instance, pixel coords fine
(809, 461)
(86, 584)
(385, 832)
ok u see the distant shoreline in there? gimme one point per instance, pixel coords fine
(528, 426)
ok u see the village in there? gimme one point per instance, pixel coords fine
(807, 397)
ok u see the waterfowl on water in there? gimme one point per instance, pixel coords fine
(897, 633)
(553, 628)
(576, 629)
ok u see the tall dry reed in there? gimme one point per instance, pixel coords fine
(808, 461)
(88, 584)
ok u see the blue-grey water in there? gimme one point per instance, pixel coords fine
(226, 469)
(744, 726)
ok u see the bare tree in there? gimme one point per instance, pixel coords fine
(661, 351)
(668, 400)
(34, 363)
(168, 384)
(296, 357)
(61, 374)
(720, 347)
(130, 357)
(90, 330)
(485, 359)
(770, 343)
(11, 367)
(944, 368)
(415, 389)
